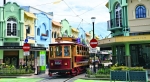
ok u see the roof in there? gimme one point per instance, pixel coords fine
(61, 42)
(56, 23)
(88, 34)
(75, 30)
(31, 15)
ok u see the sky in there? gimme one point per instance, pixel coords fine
(74, 11)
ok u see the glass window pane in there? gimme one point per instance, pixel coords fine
(58, 51)
(66, 51)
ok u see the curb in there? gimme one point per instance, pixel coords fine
(15, 76)
(95, 78)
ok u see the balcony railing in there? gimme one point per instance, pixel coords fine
(11, 34)
(116, 22)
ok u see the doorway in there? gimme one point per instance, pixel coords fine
(11, 58)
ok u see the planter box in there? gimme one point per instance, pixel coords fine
(138, 76)
(118, 76)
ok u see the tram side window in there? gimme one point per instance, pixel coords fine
(58, 50)
(66, 51)
(51, 52)
(77, 50)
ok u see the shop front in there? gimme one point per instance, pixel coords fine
(129, 50)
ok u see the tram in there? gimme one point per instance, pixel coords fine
(67, 57)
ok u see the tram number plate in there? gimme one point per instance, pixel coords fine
(57, 62)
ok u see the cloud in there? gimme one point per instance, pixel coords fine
(80, 9)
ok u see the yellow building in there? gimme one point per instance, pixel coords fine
(75, 32)
(88, 38)
(97, 38)
(56, 27)
(29, 30)
(29, 33)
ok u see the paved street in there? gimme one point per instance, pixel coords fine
(42, 78)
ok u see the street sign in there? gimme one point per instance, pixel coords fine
(26, 40)
(26, 47)
(93, 50)
(26, 53)
(93, 43)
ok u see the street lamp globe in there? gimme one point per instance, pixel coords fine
(93, 19)
(26, 26)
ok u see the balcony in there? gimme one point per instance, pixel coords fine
(44, 37)
(114, 24)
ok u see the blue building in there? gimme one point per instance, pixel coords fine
(43, 26)
(82, 35)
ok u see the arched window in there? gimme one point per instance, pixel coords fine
(38, 31)
(140, 11)
(52, 34)
(47, 33)
(11, 27)
(118, 15)
(55, 35)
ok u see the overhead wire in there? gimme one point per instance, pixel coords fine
(93, 8)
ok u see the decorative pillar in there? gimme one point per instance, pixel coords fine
(21, 57)
(113, 55)
(127, 55)
(1, 56)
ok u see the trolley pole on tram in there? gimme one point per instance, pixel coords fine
(93, 20)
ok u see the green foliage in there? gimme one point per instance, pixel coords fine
(11, 69)
(103, 71)
(89, 72)
(125, 68)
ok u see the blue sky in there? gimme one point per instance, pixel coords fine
(74, 11)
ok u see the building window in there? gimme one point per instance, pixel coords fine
(11, 27)
(52, 35)
(38, 31)
(55, 35)
(28, 29)
(47, 33)
(140, 11)
(118, 15)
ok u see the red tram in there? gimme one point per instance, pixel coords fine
(67, 57)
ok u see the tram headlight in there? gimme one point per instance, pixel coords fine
(65, 64)
(51, 64)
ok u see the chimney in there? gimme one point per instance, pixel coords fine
(4, 2)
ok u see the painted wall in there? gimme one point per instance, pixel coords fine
(43, 26)
(12, 13)
(123, 28)
(29, 21)
(138, 25)
(75, 32)
(56, 30)
(66, 29)
(88, 38)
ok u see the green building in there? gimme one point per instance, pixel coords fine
(130, 35)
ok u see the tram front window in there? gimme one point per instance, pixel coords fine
(66, 51)
(58, 50)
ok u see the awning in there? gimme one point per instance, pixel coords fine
(75, 30)
(56, 23)
(31, 15)
(88, 34)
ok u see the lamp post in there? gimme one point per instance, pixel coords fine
(26, 38)
(93, 20)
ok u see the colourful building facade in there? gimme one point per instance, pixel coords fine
(11, 23)
(129, 26)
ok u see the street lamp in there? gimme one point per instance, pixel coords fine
(93, 20)
(26, 38)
